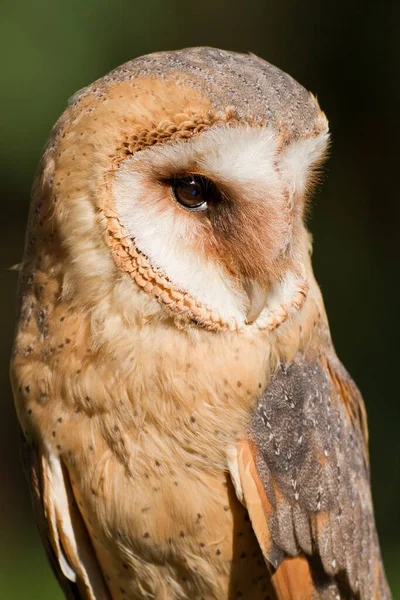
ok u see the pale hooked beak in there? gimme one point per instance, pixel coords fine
(257, 295)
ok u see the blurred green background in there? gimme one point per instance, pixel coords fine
(345, 52)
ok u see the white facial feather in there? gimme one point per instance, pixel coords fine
(167, 235)
(298, 159)
(245, 159)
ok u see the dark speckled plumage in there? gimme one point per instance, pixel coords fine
(311, 462)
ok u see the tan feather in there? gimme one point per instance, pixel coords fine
(61, 527)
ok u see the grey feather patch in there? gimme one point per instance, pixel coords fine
(310, 459)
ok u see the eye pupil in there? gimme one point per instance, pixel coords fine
(192, 192)
(195, 188)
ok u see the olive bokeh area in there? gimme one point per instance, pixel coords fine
(347, 53)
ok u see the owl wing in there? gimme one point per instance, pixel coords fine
(303, 474)
(61, 526)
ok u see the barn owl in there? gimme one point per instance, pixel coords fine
(188, 430)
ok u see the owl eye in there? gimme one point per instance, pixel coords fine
(194, 192)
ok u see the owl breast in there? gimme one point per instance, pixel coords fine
(142, 427)
(154, 492)
(175, 536)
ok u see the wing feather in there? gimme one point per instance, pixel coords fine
(61, 526)
(304, 473)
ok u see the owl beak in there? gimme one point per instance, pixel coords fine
(257, 295)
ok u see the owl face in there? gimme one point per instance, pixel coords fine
(201, 203)
(220, 215)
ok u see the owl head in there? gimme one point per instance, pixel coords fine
(175, 188)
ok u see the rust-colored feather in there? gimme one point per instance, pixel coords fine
(293, 580)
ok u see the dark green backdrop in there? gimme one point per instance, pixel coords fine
(345, 52)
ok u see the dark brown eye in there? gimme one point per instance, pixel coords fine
(193, 192)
